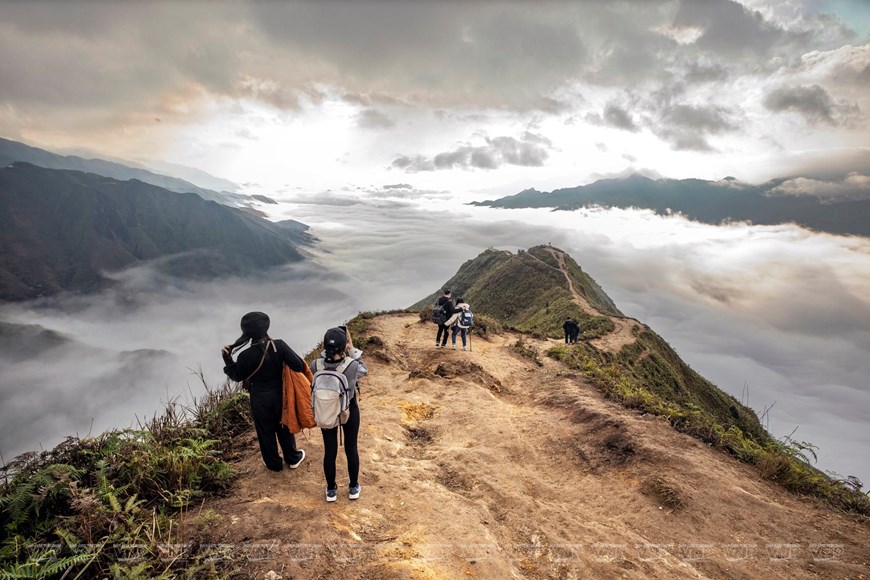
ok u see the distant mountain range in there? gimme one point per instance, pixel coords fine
(60, 229)
(712, 202)
(13, 151)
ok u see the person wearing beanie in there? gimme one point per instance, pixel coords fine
(338, 346)
(262, 365)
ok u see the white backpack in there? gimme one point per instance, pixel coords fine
(330, 394)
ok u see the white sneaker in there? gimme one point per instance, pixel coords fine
(301, 459)
(331, 494)
(353, 492)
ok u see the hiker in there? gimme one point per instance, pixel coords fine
(460, 321)
(442, 310)
(340, 355)
(261, 366)
(572, 330)
(575, 334)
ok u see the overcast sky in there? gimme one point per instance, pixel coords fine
(375, 121)
(465, 96)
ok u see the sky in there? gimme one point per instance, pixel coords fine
(375, 122)
(463, 96)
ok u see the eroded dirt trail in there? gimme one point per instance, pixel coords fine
(487, 464)
(622, 335)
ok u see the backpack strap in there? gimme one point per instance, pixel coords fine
(346, 362)
(247, 381)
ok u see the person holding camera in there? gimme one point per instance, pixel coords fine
(340, 356)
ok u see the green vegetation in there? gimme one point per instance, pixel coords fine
(358, 326)
(108, 506)
(527, 351)
(528, 292)
(649, 376)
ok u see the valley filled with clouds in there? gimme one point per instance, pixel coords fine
(377, 122)
(776, 316)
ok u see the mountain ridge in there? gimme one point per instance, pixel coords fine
(61, 229)
(14, 151)
(712, 202)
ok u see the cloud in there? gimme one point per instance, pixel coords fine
(729, 28)
(779, 307)
(813, 103)
(374, 119)
(687, 126)
(855, 186)
(703, 72)
(531, 151)
(618, 117)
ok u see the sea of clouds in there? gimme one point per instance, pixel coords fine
(775, 315)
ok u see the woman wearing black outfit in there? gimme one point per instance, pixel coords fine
(338, 348)
(263, 363)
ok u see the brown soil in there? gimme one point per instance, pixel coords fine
(484, 464)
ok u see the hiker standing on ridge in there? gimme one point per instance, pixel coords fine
(460, 321)
(262, 366)
(442, 310)
(572, 330)
(338, 357)
(575, 334)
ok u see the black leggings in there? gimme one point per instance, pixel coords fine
(330, 448)
(266, 408)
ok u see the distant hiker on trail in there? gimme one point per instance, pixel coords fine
(575, 335)
(261, 367)
(461, 322)
(441, 312)
(334, 398)
(572, 330)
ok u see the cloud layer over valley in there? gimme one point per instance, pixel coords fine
(779, 309)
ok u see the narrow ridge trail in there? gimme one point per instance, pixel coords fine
(622, 335)
(495, 464)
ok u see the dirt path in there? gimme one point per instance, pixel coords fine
(622, 335)
(486, 464)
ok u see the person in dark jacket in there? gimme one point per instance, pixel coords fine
(575, 334)
(572, 331)
(445, 303)
(262, 364)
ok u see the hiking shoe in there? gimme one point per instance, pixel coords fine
(301, 459)
(331, 494)
(353, 492)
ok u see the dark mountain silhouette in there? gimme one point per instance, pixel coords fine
(13, 151)
(711, 202)
(59, 230)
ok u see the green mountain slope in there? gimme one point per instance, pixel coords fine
(710, 202)
(527, 291)
(60, 229)
(530, 291)
(631, 364)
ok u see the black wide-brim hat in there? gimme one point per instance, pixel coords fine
(255, 325)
